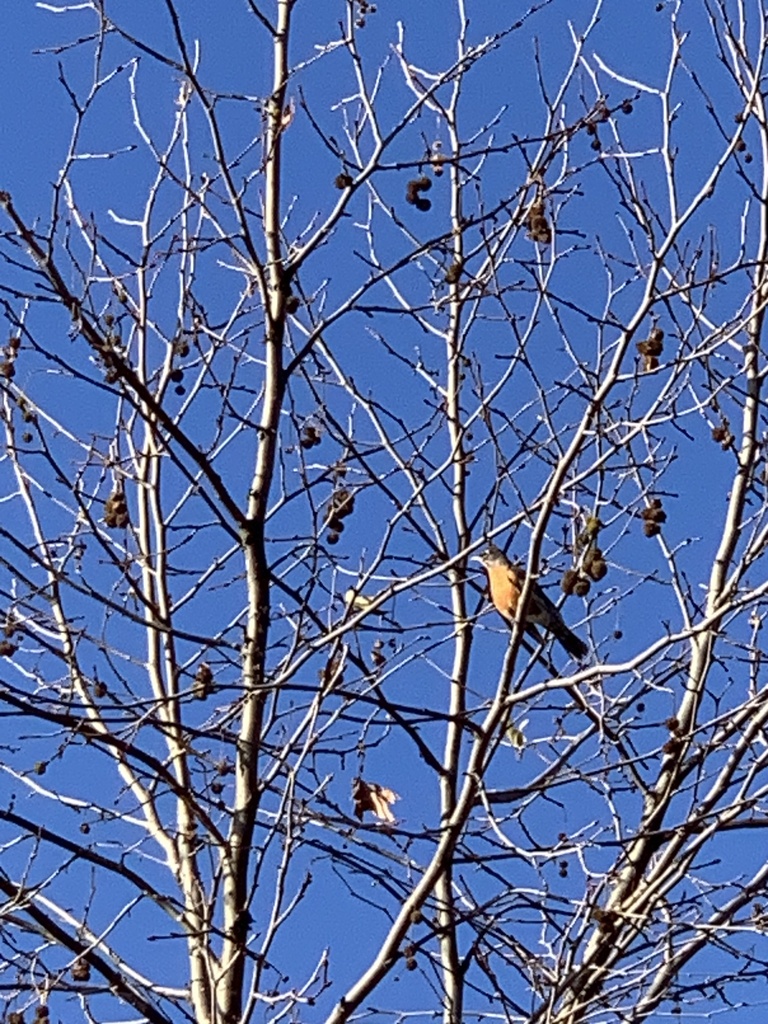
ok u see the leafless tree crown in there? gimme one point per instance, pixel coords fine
(319, 301)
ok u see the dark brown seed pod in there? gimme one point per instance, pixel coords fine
(453, 273)
(202, 686)
(116, 511)
(310, 437)
(654, 512)
(536, 221)
(416, 186)
(342, 503)
(81, 971)
(569, 580)
(597, 569)
(582, 587)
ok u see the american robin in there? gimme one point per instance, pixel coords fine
(505, 582)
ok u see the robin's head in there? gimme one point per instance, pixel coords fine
(492, 556)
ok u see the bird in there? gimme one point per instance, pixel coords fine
(505, 582)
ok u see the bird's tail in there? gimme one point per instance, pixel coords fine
(573, 644)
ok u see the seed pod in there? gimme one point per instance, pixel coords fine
(453, 273)
(654, 513)
(673, 745)
(413, 188)
(310, 437)
(597, 569)
(116, 511)
(537, 223)
(202, 686)
(569, 580)
(342, 503)
(582, 587)
(81, 971)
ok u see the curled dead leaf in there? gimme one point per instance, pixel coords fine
(370, 796)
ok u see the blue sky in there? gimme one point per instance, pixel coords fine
(593, 290)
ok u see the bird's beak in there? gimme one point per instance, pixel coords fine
(477, 558)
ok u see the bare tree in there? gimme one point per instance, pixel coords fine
(281, 359)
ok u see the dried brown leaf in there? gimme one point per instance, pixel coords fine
(370, 796)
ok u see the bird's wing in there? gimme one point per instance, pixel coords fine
(542, 610)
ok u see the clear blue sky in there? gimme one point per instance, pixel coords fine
(632, 37)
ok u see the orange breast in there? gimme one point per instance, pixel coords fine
(505, 590)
